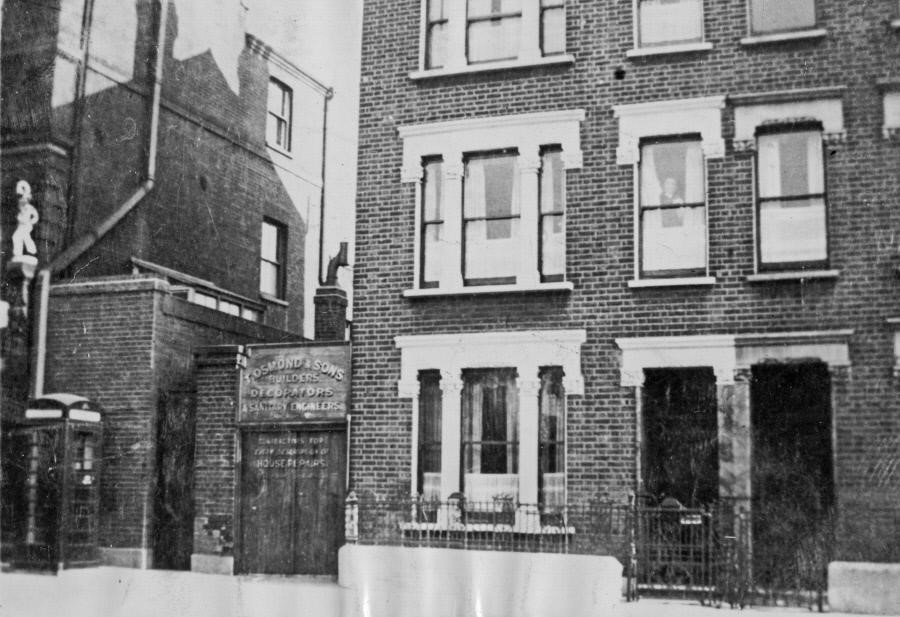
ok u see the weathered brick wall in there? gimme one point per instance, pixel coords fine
(863, 192)
(100, 345)
(218, 374)
(126, 342)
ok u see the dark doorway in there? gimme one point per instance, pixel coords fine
(174, 504)
(680, 444)
(292, 501)
(792, 474)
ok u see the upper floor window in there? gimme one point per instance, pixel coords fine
(771, 16)
(672, 208)
(491, 226)
(273, 245)
(669, 22)
(279, 117)
(457, 34)
(493, 29)
(792, 223)
(491, 217)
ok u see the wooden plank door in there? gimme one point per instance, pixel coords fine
(292, 487)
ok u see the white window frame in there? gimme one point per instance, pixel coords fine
(529, 53)
(526, 352)
(451, 141)
(824, 106)
(786, 34)
(272, 116)
(651, 50)
(660, 119)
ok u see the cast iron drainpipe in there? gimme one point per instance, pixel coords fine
(88, 240)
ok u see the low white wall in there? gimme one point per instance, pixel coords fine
(859, 587)
(390, 581)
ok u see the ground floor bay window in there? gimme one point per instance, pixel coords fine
(489, 415)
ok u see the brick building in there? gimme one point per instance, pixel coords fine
(631, 247)
(176, 162)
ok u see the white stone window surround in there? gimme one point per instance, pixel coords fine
(451, 140)
(659, 119)
(530, 53)
(726, 353)
(526, 351)
(815, 32)
(674, 48)
(823, 105)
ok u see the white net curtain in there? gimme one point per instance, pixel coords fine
(491, 211)
(673, 210)
(667, 22)
(792, 202)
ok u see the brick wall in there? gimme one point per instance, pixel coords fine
(863, 192)
(214, 463)
(126, 342)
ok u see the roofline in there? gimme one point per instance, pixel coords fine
(258, 46)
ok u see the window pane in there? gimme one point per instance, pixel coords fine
(553, 177)
(553, 31)
(250, 314)
(775, 15)
(491, 186)
(552, 432)
(431, 267)
(229, 307)
(486, 8)
(490, 421)
(792, 231)
(437, 10)
(492, 256)
(268, 278)
(672, 173)
(495, 39)
(670, 21)
(269, 242)
(204, 300)
(437, 45)
(432, 191)
(71, 14)
(791, 164)
(553, 244)
(429, 462)
(673, 239)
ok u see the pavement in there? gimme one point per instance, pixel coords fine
(124, 592)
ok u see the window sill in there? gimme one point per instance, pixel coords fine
(668, 49)
(493, 66)
(798, 275)
(279, 150)
(687, 281)
(273, 299)
(544, 530)
(565, 286)
(761, 39)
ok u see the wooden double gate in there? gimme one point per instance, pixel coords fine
(291, 513)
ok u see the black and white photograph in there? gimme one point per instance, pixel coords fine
(449, 308)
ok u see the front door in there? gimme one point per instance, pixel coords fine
(291, 511)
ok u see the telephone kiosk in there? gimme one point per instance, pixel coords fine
(50, 484)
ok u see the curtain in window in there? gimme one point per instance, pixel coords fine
(553, 207)
(673, 210)
(491, 211)
(553, 27)
(664, 22)
(429, 461)
(792, 221)
(781, 15)
(551, 438)
(432, 221)
(490, 433)
(493, 29)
